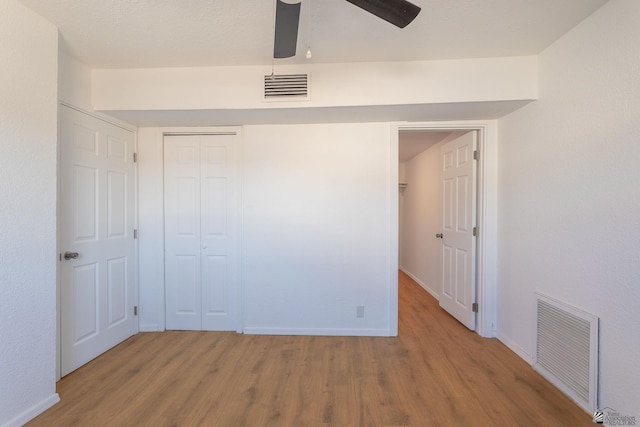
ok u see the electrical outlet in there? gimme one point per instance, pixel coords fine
(360, 311)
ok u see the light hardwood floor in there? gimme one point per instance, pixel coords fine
(435, 373)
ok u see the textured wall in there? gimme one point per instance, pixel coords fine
(28, 112)
(569, 181)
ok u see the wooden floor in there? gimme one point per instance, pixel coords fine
(436, 373)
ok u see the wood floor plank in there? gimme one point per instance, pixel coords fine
(435, 373)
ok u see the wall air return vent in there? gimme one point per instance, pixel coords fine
(286, 87)
(567, 350)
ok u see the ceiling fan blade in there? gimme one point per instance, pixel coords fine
(286, 37)
(397, 12)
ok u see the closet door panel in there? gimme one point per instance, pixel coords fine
(218, 175)
(182, 233)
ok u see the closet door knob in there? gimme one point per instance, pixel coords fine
(439, 235)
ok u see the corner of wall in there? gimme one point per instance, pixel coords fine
(33, 412)
(74, 82)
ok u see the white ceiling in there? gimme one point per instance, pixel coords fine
(159, 33)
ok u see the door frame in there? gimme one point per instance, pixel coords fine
(486, 218)
(127, 127)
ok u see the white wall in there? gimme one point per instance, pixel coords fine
(28, 123)
(316, 234)
(569, 179)
(316, 229)
(353, 84)
(150, 230)
(421, 218)
(74, 82)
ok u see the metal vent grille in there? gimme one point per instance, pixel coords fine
(567, 350)
(286, 86)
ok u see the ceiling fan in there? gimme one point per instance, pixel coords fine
(397, 12)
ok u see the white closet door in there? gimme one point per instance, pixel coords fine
(200, 232)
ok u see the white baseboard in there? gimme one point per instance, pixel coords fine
(150, 327)
(318, 332)
(419, 282)
(511, 344)
(34, 411)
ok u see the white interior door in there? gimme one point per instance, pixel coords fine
(97, 273)
(200, 231)
(458, 292)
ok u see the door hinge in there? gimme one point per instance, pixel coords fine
(135, 310)
(135, 233)
(476, 155)
(135, 157)
(474, 307)
(475, 231)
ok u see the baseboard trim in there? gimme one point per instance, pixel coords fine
(150, 327)
(318, 332)
(33, 412)
(419, 282)
(511, 344)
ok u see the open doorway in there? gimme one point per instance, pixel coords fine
(420, 205)
(420, 193)
(437, 213)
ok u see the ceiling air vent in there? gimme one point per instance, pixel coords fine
(283, 87)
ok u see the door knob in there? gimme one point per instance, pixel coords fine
(71, 255)
(439, 236)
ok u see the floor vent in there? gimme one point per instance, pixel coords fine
(286, 87)
(567, 350)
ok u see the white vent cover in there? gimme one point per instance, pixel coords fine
(567, 350)
(286, 87)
